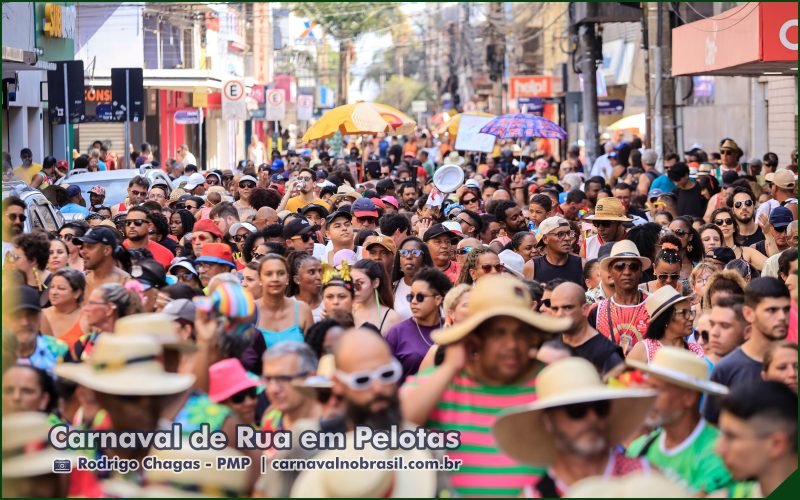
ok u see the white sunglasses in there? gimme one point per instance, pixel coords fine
(358, 381)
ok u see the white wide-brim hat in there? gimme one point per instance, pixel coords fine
(680, 367)
(448, 178)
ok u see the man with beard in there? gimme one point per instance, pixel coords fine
(137, 193)
(487, 368)
(98, 247)
(743, 204)
(509, 214)
(555, 239)
(682, 444)
(137, 228)
(608, 218)
(573, 429)
(13, 223)
(766, 309)
(440, 243)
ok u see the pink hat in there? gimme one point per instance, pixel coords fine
(226, 378)
(391, 200)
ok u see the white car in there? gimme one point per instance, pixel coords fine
(39, 212)
(114, 181)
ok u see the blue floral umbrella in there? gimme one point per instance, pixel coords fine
(523, 126)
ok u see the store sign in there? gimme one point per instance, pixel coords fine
(779, 36)
(98, 94)
(59, 21)
(276, 105)
(188, 116)
(233, 101)
(305, 107)
(325, 98)
(530, 86)
(200, 99)
(533, 105)
(610, 106)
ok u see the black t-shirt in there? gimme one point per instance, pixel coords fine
(691, 202)
(734, 369)
(600, 351)
(754, 238)
(396, 150)
(761, 246)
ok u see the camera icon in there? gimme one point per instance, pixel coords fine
(62, 466)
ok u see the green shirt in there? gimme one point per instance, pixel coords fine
(692, 463)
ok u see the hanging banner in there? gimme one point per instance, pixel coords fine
(276, 105)
(305, 107)
(234, 106)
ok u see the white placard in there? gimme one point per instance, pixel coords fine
(469, 136)
(305, 107)
(233, 101)
(276, 105)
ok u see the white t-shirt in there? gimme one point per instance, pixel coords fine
(401, 305)
(189, 159)
(601, 167)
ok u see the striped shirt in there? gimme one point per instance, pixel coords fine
(471, 408)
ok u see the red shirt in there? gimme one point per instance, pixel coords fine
(160, 252)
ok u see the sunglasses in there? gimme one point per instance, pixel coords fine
(247, 185)
(304, 178)
(545, 303)
(358, 381)
(680, 232)
(239, 238)
(579, 411)
(17, 217)
(305, 237)
(190, 207)
(66, 237)
(416, 252)
(703, 335)
(747, 203)
(563, 235)
(420, 297)
(487, 268)
(723, 222)
(138, 193)
(212, 182)
(668, 277)
(135, 222)
(780, 229)
(257, 256)
(464, 251)
(635, 266)
(240, 396)
(294, 163)
(471, 200)
(685, 313)
(602, 223)
(180, 206)
(185, 277)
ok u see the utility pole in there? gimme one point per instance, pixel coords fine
(648, 110)
(496, 53)
(589, 49)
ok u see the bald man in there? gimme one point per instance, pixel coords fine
(569, 301)
(265, 216)
(374, 403)
(464, 246)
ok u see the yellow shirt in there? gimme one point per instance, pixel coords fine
(297, 202)
(27, 174)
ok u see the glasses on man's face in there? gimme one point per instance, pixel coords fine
(294, 163)
(135, 222)
(282, 379)
(358, 381)
(746, 203)
(419, 297)
(304, 178)
(780, 229)
(634, 266)
(305, 238)
(17, 217)
(579, 411)
(487, 268)
(723, 222)
(239, 238)
(668, 277)
(564, 235)
(138, 193)
(185, 277)
(415, 252)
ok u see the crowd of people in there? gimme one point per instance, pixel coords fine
(636, 316)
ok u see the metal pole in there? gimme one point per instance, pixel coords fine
(648, 113)
(658, 139)
(66, 115)
(200, 135)
(589, 71)
(127, 120)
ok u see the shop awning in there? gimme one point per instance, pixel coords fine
(756, 38)
(187, 80)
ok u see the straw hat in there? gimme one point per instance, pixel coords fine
(344, 191)
(26, 452)
(521, 434)
(500, 295)
(126, 365)
(161, 327)
(453, 159)
(658, 301)
(609, 209)
(624, 249)
(682, 368)
(635, 485)
(359, 483)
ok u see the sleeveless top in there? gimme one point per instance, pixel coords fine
(572, 270)
(294, 332)
(625, 325)
(651, 346)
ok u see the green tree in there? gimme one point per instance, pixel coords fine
(346, 21)
(399, 91)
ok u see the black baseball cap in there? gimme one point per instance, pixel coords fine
(149, 273)
(437, 230)
(27, 299)
(339, 213)
(297, 226)
(315, 207)
(102, 235)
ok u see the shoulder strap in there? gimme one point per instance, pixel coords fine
(546, 487)
(648, 444)
(296, 312)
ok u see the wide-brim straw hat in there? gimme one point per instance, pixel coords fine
(624, 250)
(454, 159)
(680, 367)
(522, 435)
(161, 327)
(660, 300)
(359, 483)
(610, 209)
(26, 449)
(126, 365)
(636, 485)
(344, 191)
(500, 295)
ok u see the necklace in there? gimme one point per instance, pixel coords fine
(419, 331)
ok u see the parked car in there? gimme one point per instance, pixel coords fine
(115, 181)
(41, 214)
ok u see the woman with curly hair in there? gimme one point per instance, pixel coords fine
(480, 261)
(31, 254)
(181, 222)
(727, 283)
(723, 219)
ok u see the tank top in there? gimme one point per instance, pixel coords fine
(651, 347)
(544, 271)
(294, 332)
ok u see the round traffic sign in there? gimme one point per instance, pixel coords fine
(233, 90)
(275, 97)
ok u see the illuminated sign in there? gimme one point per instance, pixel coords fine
(59, 21)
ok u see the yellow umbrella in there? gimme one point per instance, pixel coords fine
(451, 126)
(360, 118)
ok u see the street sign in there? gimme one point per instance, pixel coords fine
(233, 101)
(419, 106)
(66, 92)
(188, 117)
(610, 106)
(127, 94)
(276, 105)
(305, 107)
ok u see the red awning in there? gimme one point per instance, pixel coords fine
(756, 38)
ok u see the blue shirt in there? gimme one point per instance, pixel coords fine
(74, 208)
(663, 183)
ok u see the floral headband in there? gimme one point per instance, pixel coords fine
(337, 275)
